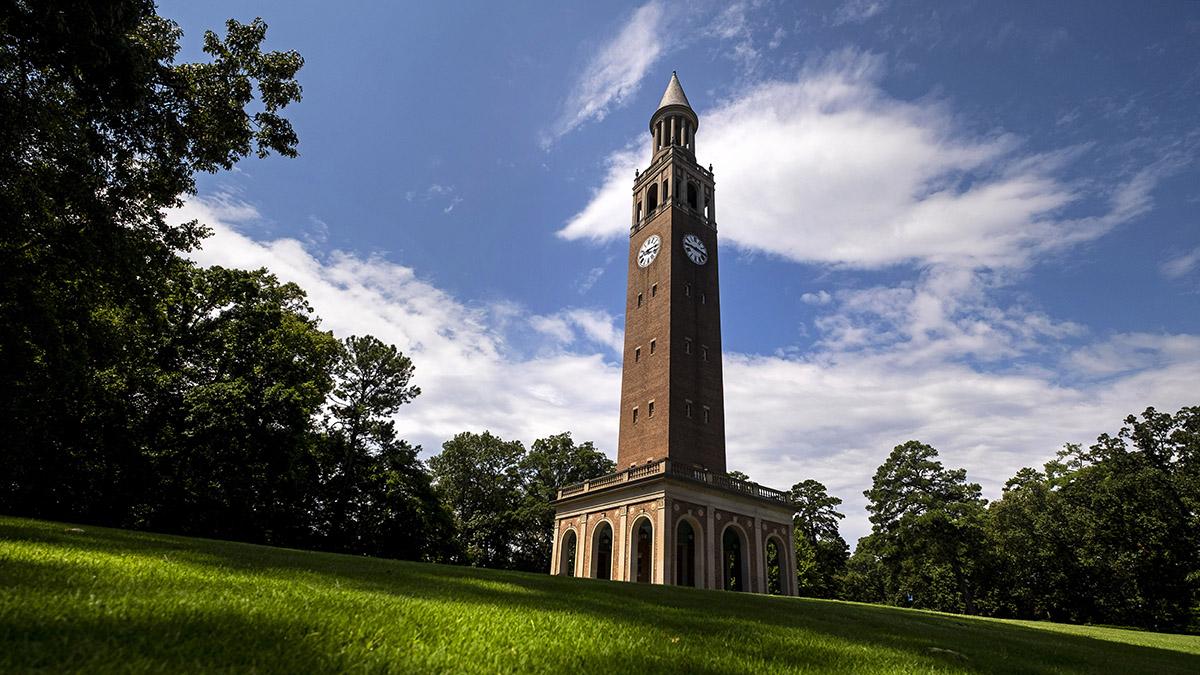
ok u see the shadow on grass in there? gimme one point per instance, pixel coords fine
(775, 633)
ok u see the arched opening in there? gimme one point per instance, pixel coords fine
(642, 560)
(651, 198)
(602, 545)
(693, 196)
(776, 567)
(685, 554)
(566, 554)
(734, 568)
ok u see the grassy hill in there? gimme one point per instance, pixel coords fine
(93, 599)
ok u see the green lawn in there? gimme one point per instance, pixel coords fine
(111, 600)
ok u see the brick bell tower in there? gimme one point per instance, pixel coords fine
(670, 514)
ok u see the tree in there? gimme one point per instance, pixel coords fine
(738, 475)
(376, 497)
(1138, 537)
(551, 463)
(244, 370)
(821, 553)
(928, 524)
(100, 133)
(478, 477)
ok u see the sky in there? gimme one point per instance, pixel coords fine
(971, 224)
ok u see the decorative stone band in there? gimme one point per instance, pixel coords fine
(665, 468)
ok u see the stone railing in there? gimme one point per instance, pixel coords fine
(665, 467)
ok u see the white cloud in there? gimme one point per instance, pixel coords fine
(818, 298)
(858, 11)
(891, 364)
(829, 168)
(472, 377)
(615, 73)
(1182, 264)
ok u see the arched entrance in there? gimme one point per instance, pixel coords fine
(642, 561)
(602, 546)
(567, 549)
(735, 570)
(685, 554)
(777, 580)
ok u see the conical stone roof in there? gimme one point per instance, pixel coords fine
(674, 94)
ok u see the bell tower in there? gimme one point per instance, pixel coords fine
(670, 514)
(672, 401)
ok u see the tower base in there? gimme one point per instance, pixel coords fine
(668, 524)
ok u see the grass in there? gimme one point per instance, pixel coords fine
(99, 600)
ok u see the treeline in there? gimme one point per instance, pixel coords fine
(140, 390)
(1104, 534)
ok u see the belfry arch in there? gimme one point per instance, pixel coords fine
(689, 553)
(601, 552)
(568, 551)
(641, 551)
(735, 559)
(778, 581)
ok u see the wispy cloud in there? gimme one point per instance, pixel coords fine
(857, 178)
(614, 75)
(858, 11)
(1182, 264)
(844, 403)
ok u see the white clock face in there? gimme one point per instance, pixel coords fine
(649, 250)
(694, 248)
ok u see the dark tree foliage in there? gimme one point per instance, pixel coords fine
(551, 463)
(500, 494)
(100, 131)
(821, 552)
(927, 531)
(375, 496)
(1109, 533)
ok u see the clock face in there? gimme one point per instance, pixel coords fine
(694, 248)
(649, 250)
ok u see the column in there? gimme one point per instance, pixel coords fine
(712, 552)
(583, 548)
(760, 558)
(621, 546)
(660, 574)
(674, 138)
(554, 562)
(791, 557)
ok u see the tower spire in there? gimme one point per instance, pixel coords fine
(674, 123)
(674, 94)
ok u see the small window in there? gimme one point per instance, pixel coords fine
(639, 299)
(703, 298)
(706, 414)
(704, 353)
(653, 290)
(687, 290)
(650, 409)
(637, 354)
(666, 190)
(687, 345)
(652, 342)
(640, 213)
(635, 415)
(687, 408)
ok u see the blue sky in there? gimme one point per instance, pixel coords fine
(974, 224)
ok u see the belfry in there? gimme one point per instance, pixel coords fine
(670, 514)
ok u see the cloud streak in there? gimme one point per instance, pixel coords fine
(614, 75)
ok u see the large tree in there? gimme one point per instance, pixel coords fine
(478, 476)
(551, 463)
(927, 522)
(101, 132)
(376, 496)
(821, 552)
